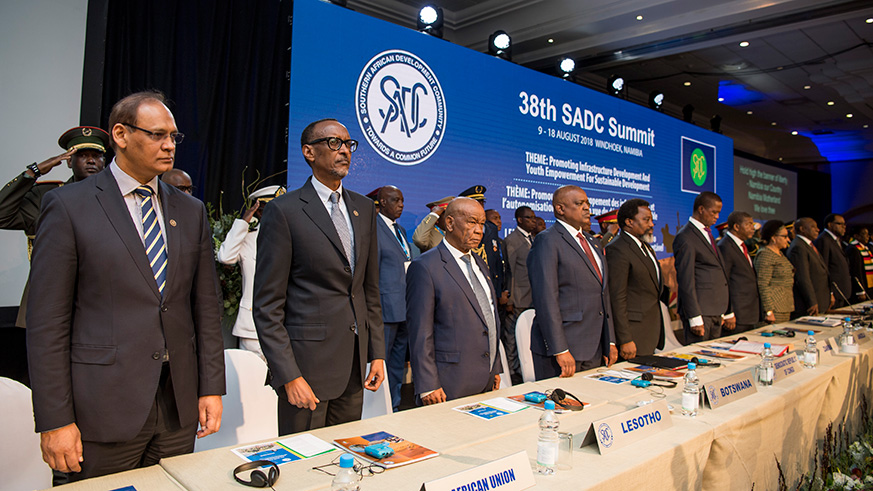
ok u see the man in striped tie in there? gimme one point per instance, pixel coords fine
(124, 339)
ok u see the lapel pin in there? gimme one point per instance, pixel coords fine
(355, 212)
(172, 222)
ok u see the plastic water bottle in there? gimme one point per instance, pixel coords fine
(810, 353)
(346, 479)
(766, 368)
(691, 392)
(547, 442)
(847, 339)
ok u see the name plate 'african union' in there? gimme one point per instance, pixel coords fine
(730, 389)
(511, 473)
(628, 427)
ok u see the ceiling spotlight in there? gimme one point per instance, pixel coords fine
(744, 44)
(721, 99)
(866, 126)
(687, 83)
(830, 103)
(566, 66)
(550, 41)
(749, 113)
(639, 17)
(688, 113)
(807, 87)
(656, 100)
(430, 20)
(773, 123)
(849, 115)
(715, 124)
(869, 21)
(500, 45)
(794, 133)
(615, 86)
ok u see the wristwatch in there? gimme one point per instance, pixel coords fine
(33, 168)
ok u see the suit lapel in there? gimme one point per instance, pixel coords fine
(116, 210)
(572, 241)
(357, 224)
(454, 271)
(702, 235)
(641, 257)
(316, 212)
(387, 230)
(172, 234)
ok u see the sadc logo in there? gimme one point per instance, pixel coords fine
(401, 107)
(604, 434)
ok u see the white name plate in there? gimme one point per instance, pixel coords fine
(729, 389)
(825, 348)
(786, 366)
(628, 427)
(511, 473)
(863, 337)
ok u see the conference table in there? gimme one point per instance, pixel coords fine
(731, 447)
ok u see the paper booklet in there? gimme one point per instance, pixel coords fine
(720, 353)
(658, 373)
(405, 452)
(491, 408)
(758, 348)
(819, 321)
(285, 450)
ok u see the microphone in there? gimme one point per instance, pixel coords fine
(858, 282)
(844, 297)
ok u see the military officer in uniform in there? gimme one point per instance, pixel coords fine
(20, 199)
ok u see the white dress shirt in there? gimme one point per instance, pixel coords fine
(127, 185)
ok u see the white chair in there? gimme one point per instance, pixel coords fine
(670, 341)
(522, 342)
(21, 462)
(250, 407)
(377, 403)
(505, 378)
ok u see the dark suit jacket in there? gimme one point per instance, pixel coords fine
(811, 285)
(856, 269)
(392, 273)
(496, 256)
(517, 249)
(572, 306)
(307, 302)
(703, 283)
(835, 259)
(635, 289)
(448, 337)
(97, 324)
(745, 301)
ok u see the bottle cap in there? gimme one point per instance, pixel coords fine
(692, 366)
(549, 405)
(810, 333)
(347, 461)
(766, 345)
(847, 319)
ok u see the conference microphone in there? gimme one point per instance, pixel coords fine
(858, 282)
(844, 297)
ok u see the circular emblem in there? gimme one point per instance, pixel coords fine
(698, 167)
(713, 395)
(401, 107)
(604, 434)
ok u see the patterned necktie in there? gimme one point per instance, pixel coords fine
(485, 305)
(400, 238)
(590, 254)
(711, 240)
(342, 228)
(154, 242)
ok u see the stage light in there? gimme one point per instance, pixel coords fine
(566, 66)
(615, 86)
(715, 124)
(830, 103)
(744, 44)
(500, 45)
(688, 113)
(794, 133)
(430, 20)
(656, 100)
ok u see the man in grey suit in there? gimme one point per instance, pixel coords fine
(452, 312)
(704, 300)
(636, 285)
(394, 257)
(742, 280)
(517, 248)
(573, 328)
(812, 295)
(830, 246)
(316, 302)
(124, 339)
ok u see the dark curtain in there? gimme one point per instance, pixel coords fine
(224, 65)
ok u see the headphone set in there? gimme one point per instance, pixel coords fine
(647, 379)
(257, 479)
(559, 396)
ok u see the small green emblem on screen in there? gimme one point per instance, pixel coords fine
(698, 167)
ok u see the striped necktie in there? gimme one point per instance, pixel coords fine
(154, 241)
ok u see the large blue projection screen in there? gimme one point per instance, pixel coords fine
(433, 119)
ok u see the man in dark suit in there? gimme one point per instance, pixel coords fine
(742, 280)
(316, 303)
(812, 295)
(704, 300)
(830, 246)
(573, 329)
(517, 246)
(394, 257)
(452, 313)
(124, 340)
(636, 285)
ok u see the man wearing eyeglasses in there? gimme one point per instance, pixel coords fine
(179, 179)
(316, 304)
(124, 339)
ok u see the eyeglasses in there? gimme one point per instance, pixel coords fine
(362, 470)
(335, 143)
(187, 189)
(159, 136)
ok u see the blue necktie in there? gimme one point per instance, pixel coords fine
(154, 241)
